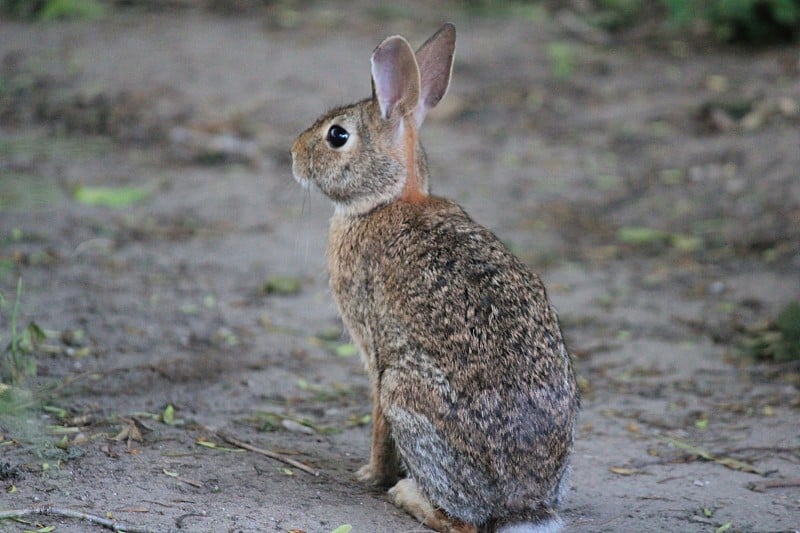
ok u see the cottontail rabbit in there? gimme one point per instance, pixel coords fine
(474, 394)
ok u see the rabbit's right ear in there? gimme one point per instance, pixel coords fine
(435, 60)
(395, 78)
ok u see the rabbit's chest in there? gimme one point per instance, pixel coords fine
(352, 280)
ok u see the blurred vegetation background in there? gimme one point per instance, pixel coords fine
(747, 22)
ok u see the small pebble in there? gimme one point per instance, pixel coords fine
(296, 427)
(716, 288)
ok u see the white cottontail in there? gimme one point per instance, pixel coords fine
(474, 393)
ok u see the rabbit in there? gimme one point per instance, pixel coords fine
(474, 393)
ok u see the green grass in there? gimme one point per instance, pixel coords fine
(18, 357)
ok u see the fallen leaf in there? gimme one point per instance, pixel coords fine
(344, 528)
(735, 464)
(129, 433)
(282, 286)
(297, 427)
(641, 236)
(332, 333)
(214, 446)
(109, 196)
(686, 243)
(168, 416)
(622, 471)
(346, 350)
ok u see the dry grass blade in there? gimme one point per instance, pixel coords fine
(272, 455)
(729, 462)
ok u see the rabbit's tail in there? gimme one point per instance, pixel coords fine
(541, 520)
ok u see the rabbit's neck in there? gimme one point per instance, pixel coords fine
(412, 191)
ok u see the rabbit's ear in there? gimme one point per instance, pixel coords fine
(435, 60)
(395, 77)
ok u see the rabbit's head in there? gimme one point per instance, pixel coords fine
(368, 154)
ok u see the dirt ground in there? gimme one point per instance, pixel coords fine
(654, 185)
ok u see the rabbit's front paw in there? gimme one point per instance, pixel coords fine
(406, 495)
(368, 474)
(375, 475)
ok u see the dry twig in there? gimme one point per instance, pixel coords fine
(69, 513)
(761, 486)
(272, 455)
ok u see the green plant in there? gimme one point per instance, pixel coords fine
(753, 21)
(18, 359)
(562, 56)
(776, 340)
(746, 21)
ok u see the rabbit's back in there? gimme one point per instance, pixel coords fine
(473, 373)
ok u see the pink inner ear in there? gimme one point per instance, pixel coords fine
(435, 60)
(395, 76)
(386, 85)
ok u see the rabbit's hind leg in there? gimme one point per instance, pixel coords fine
(407, 496)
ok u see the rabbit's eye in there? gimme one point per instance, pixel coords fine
(337, 136)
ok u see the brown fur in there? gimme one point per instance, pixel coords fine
(473, 389)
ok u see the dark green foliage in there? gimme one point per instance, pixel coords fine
(788, 323)
(777, 340)
(24, 9)
(751, 21)
(51, 9)
(743, 21)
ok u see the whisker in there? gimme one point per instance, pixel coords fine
(308, 222)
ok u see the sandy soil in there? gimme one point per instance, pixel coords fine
(562, 147)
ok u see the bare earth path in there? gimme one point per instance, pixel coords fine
(565, 149)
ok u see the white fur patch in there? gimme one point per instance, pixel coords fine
(550, 526)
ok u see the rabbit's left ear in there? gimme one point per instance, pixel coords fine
(435, 60)
(395, 78)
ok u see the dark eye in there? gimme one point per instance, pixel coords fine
(337, 136)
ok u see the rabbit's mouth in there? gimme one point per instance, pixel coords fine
(297, 171)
